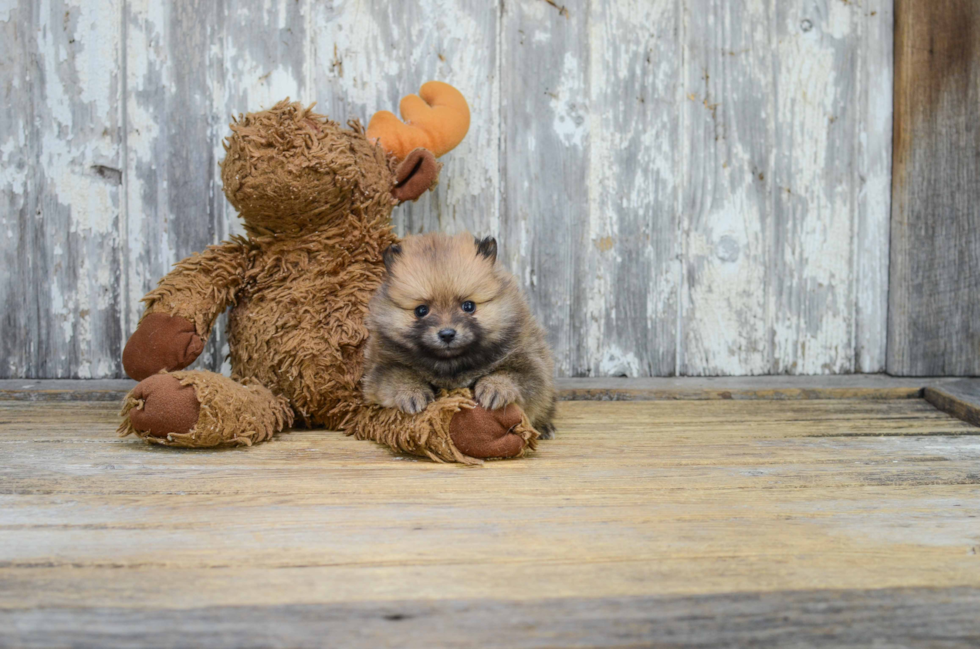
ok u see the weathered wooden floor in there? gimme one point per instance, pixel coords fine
(772, 523)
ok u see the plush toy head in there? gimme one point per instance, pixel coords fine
(289, 169)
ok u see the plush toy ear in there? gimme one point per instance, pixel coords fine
(390, 254)
(415, 175)
(488, 248)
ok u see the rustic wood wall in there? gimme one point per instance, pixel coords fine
(684, 186)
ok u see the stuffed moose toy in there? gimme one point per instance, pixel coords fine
(316, 202)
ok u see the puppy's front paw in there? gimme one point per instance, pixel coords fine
(413, 401)
(546, 431)
(494, 392)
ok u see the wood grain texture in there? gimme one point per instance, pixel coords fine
(727, 149)
(18, 192)
(629, 258)
(831, 193)
(786, 189)
(958, 398)
(684, 187)
(686, 241)
(872, 157)
(62, 145)
(717, 509)
(544, 148)
(902, 617)
(934, 320)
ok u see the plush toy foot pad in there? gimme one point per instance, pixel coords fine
(483, 434)
(168, 407)
(161, 342)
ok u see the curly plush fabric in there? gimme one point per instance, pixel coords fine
(290, 170)
(433, 437)
(202, 286)
(316, 201)
(230, 413)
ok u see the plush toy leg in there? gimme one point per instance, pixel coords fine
(452, 429)
(199, 409)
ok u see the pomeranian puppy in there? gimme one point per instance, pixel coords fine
(448, 316)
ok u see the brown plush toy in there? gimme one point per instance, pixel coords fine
(316, 201)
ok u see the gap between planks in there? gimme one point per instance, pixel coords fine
(843, 386)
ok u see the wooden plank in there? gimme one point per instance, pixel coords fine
(829, 193)
(872, 91)
(960, 399)
(171, 168)
(934, 319)
(368, 55)
(908, 470)
(839, 618)
(19, 139)
(785, 187)
(629, 259)
(63, 143)
(79, 161)
(544, 147)
(264, 56)
(727, 164)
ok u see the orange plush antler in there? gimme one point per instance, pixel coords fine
(436, 119)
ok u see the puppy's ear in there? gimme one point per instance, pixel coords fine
(488, 248)
(390, 254)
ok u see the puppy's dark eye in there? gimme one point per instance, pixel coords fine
(469, 306)
(421, 311)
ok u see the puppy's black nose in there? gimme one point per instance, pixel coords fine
(447, 335)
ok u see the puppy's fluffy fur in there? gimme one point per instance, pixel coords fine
(449, 316)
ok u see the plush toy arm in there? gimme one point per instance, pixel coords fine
(202, 286)
(452, 429)
(181, 310)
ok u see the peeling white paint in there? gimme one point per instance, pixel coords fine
(98, 42)
(871, 247)
(570, 104)
(13, 176)
(616, 362)
(815, 339)
(78, 165)
(260, 85)
(147, 209)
